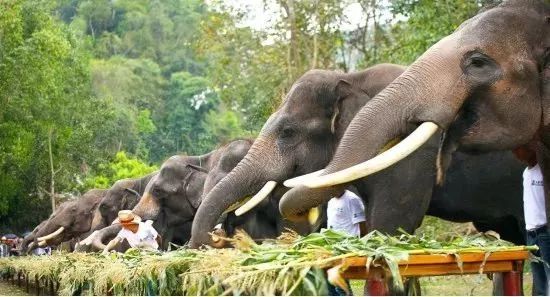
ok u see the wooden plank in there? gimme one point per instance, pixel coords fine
(443, 258)
(356, 272)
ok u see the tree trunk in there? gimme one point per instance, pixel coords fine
(52, 171)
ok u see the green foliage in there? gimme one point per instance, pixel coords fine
(157, 78)
(425, 24)
(120, 168)
(44, 93)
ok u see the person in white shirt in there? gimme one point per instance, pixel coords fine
(137, 233)
(534, 208)
(346, 213)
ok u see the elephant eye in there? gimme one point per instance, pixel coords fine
(157, 192)
(478, 60)
(287, 132)
(480, 68)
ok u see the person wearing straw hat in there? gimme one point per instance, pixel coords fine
(137, 233)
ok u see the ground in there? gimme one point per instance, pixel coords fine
(7, 289)
(466, 285)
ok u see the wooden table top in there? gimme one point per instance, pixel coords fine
(442, 264)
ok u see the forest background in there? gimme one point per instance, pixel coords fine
(92, 91)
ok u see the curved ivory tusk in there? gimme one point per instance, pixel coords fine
(261, 195)
(296, 181)
(30, 246)
(51, 235)
(393, 155)
(42, 243)
(313, 215)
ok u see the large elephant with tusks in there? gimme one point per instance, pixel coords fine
(486, 86)
(302, 136)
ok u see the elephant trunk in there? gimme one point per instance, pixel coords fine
(429, 91)
(248, 177)
(25, 244)
(148, 207)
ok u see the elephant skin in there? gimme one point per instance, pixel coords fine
(485, 86)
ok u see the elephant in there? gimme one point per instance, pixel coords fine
(298, 138)
(452, 202)
(29, 241)
(171, 197)
(486, 86)
(484, 189)
(124, 194)
(71, 220)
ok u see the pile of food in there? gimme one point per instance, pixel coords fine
(290, 265)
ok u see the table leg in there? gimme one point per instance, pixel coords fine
(377, 284)
(511, 283)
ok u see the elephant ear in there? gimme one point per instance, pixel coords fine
(131, 195)
(194, 183)
(349, 99)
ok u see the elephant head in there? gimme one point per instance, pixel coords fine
(175, 191)
(124, 194)
(29, 241)
(298, 138)
(71, 219)
(486, 86)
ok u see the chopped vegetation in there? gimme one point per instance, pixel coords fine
(290, 265)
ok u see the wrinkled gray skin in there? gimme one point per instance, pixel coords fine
(75, 216)
(124, 194)
(485, 189)
(486, 85)
(299, 138)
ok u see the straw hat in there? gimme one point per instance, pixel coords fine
(126, 217)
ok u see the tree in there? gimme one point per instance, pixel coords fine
(122, 166)
(45, 95)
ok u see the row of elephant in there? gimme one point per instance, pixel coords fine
(485, 189)
(471, 97)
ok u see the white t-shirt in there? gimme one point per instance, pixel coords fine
(534, 207)
(345, 213)
(145, 236)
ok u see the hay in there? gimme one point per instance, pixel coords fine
(290, 265)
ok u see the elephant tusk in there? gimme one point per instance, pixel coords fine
(393, 155)
(51, 235)
(315, 219)
(42, 243)
(256, 199)
(29, 248)
(313, 216)
(296, 181)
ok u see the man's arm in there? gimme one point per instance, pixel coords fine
(363, 228)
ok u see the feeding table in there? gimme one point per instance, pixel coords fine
(510, 263)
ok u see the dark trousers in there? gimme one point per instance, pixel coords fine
(540, 270)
